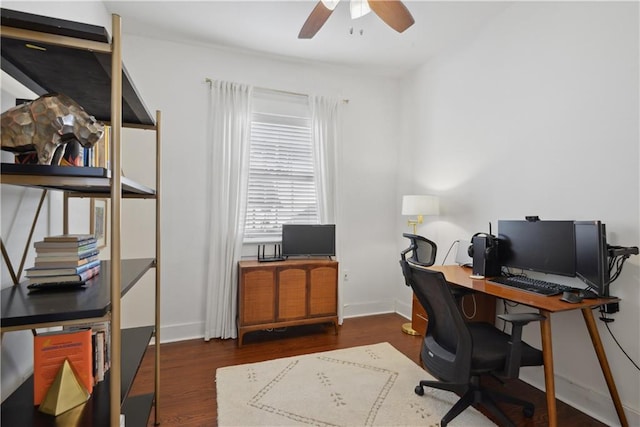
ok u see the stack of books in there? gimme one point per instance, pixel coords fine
(68, 259)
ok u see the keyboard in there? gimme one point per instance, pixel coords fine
(535, 286)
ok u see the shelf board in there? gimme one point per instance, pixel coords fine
(136, 410)
(82, 74)
(78, 180)
(18, 409)
(24, 310)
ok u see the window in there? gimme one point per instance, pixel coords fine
(281, 187)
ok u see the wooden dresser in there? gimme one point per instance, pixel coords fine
(286, 293)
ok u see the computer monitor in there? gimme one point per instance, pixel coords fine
(544, 246)
(592, 266)
(308, 240)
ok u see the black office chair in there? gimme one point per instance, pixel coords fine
(458, 353)
(423, 253)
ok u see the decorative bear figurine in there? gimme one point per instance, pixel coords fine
(45, 125)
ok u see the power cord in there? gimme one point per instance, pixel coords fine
(606, 324)
(449, 251)
(617, 256)
(475, 306)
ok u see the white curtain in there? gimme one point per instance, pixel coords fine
(228, 134)
(324, 125)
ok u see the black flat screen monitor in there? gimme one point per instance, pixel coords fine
(308, 240)
(544, 246)
(592, 266)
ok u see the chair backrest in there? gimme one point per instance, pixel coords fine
(423, 251)
(446, 351)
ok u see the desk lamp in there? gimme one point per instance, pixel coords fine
(419, 206)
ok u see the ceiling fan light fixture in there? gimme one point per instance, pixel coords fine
(330, 4)
(393, 12)
(359, 8)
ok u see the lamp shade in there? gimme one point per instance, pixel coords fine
(420, 205)
(330, 4)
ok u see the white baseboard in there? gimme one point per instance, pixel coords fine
(183, 332)
(595, 403)
(367, 309)
(189, 331)
(403, 309)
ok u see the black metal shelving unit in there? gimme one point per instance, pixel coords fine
(84, 62)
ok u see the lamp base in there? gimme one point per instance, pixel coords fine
(407, 329)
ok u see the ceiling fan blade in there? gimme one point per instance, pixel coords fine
(315, 21)
(393, 13)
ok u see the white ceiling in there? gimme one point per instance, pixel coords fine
(272, 27)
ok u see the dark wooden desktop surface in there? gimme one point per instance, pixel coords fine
(546, 305)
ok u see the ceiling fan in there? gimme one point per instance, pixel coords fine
(392, 12)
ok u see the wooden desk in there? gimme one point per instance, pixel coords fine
(546, 306)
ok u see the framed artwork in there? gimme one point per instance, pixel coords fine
(98, 224)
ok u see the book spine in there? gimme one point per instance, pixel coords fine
(100, 348)
(53, 246)
(39, 272)
(66, 257)
(86, 275)
(64, 264)
(69, 238)
(53, 249)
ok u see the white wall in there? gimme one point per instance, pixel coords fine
(510, 123)
(170, 77)
(538, 115)
(367, 167)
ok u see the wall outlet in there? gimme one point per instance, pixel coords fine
(345, 275)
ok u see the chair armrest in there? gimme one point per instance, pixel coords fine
(518, 320)
(521, 318)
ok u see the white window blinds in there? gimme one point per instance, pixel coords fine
(281, 176)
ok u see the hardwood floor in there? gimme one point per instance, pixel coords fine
(187, 378)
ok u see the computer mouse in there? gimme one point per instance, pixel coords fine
(570, 297)
(586, 293)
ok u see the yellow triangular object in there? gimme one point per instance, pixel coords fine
(65, 393)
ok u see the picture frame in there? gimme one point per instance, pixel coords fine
(98, 221)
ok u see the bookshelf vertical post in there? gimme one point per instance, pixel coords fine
(158, 269)
(116, 196)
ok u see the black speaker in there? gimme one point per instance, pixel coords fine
(484, 252)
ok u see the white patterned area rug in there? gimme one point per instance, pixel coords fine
(361, 386)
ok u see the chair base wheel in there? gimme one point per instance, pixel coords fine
(419, 390)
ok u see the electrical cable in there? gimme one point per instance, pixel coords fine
(616, 262)
(606, 324)
(475, 306)
(449, 251)
(506, 311)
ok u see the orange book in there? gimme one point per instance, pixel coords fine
(50, 349)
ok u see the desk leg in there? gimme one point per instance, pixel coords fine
(604, 364)
(547, 356)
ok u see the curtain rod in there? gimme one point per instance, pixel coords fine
(286, 92)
